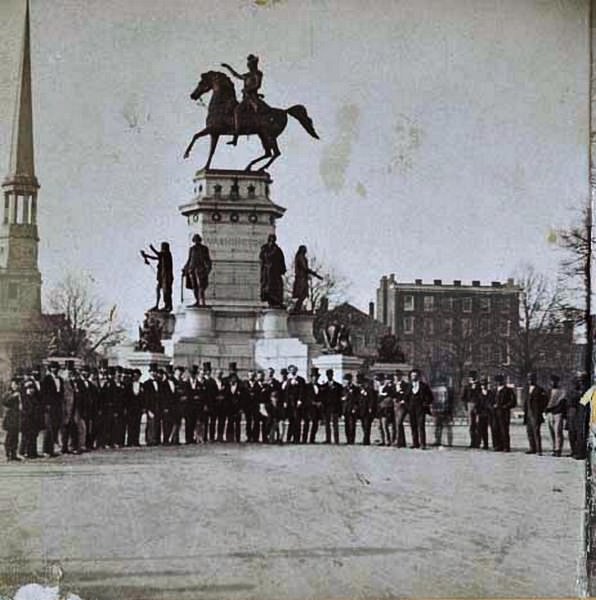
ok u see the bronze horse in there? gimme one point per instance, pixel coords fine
(268, 123)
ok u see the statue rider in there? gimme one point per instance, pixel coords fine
(250, 93)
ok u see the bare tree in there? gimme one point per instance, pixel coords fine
(88, 326)
(543, 311)
(577, 242)
(333, 286)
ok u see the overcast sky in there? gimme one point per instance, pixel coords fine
(453, 132)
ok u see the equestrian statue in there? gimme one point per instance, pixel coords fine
(251, 116)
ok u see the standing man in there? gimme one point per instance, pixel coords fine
(250, 407)
(152, 407)
(273, 268)
(195, 426)
(574, 413)
(30, 419)
(366, 404)
(11, 401)
(442, 412)
(400, 407)
(196, 270)
(313, 406)
(484, 408)
(52, 396)
(332, 393)
(235, 398)
(294, 398)
(555, 414)
(535, 401)
(385, 397)
(351, 394)
(420, 399)
(135, 402)
(504, 402)
(470, 400)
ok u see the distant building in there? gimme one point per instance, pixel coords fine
(448, 328)
(365, 330)
(20, 279)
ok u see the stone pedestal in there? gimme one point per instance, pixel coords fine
(340, 364)
(142, 361)
(274, 323)
(195, 323)
(281, 352)
(301, 325)
(388, 369)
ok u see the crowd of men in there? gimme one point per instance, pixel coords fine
(74, 410)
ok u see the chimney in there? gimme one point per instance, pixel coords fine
(371, 310)
(418, 281)
(510, 282)
(392, 278)
(457, 282)
(496, 284)
(438, 282)
(475, 283)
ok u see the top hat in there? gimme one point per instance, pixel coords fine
(153, 368)
(314, 372)
(103, 363)
(137, 372)
(233, 367)
(499, 378)
(348, 376)
(283, 371)
(329, 372)
(360, 376)
(473, 374)
(194, 369)
(207, 367)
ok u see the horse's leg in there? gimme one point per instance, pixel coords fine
(214, 139)
(276, 154)
(195, 137)
(266, 146)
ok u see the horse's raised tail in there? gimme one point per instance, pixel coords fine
(300, 114)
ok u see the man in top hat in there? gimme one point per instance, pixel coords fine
(312, 408)
(294, 390)
(211, 390)
(196, 416)
(470, 400)
(76, 430)
(250, 406)
(420, 398)
(197, 269)
(11, 401)
(400, 407)
(367, 406)
(484, 408)
(181, 403)
(331, 394)
(555, 414)
(442, 411)
(351, 394)
(52, 397)
(535, 401)
(220, 403)
(235, 400)
(152, 407)
(504, 402)
(88, 391)
(135, 401)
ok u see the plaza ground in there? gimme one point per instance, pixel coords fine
(295, 522)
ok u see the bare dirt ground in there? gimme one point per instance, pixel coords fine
(295, 522)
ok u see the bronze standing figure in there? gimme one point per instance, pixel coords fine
(165, 274)
(302, 274)
(250, 117)
(273, 268)
(197, 269)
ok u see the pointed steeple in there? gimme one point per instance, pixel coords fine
(22, 165)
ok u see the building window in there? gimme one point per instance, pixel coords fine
(485, 353)
(448, 326)
(466, 327)
(409, 303)
(13, 291)
(484, 304)
(484, 326)
(429, 303)
(447, 304)
(506, 327)
(429, 327)
(467, 305)
(409, 325)
(408, 350)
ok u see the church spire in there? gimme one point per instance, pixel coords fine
(22, 166)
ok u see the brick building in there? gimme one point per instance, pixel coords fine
(449, 328)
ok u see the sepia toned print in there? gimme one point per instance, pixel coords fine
(342, 348)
